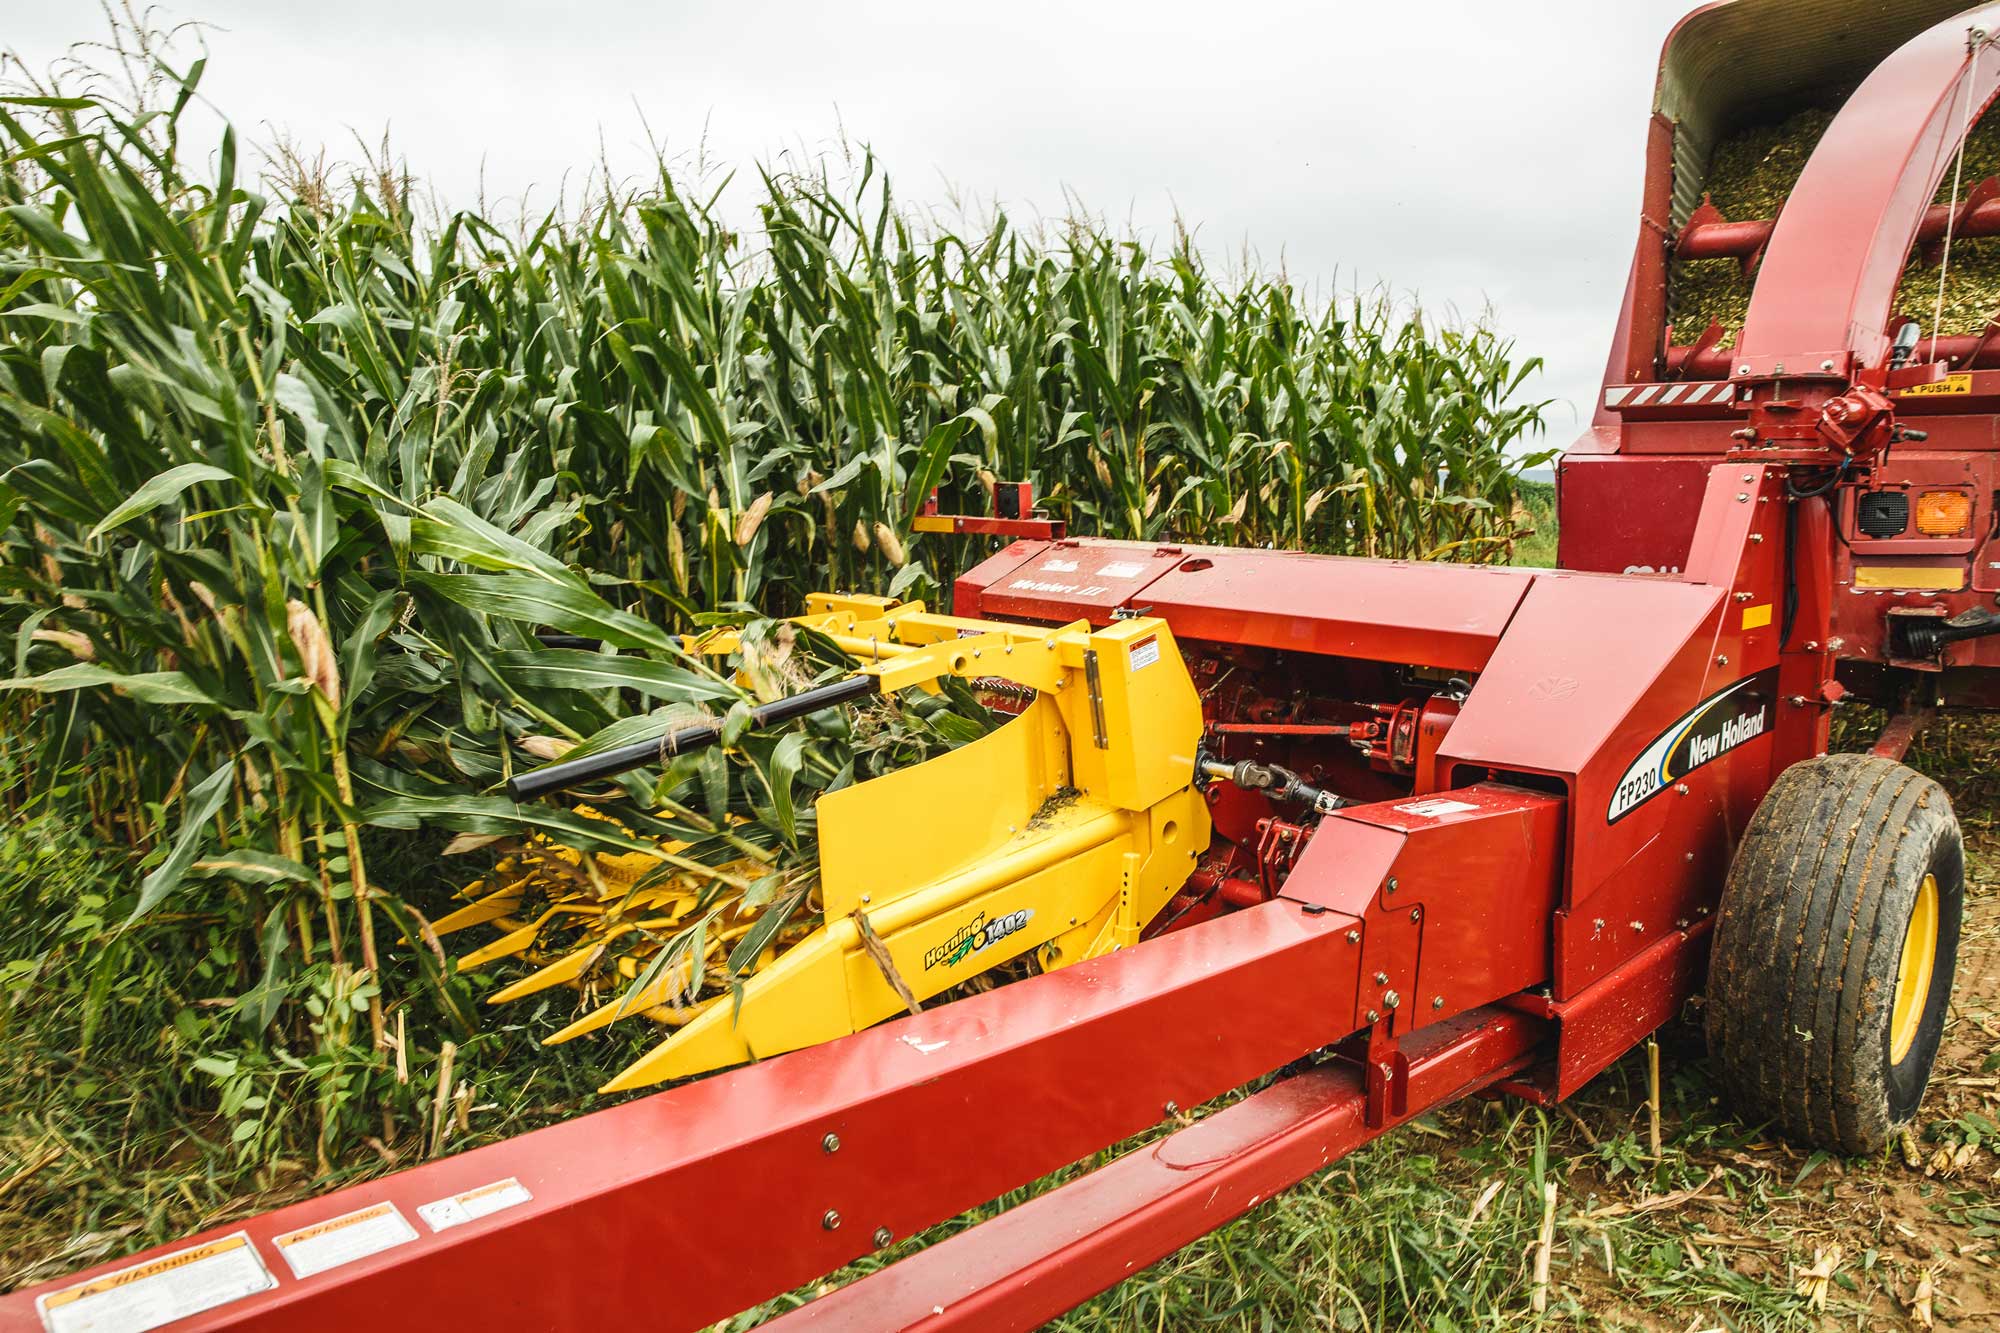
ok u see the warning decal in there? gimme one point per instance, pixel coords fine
(1434, 808)
(1146, 651)
(1120, 569)
(342, 1240)
(160, 1290)
(1949, 386)
(473, 1204)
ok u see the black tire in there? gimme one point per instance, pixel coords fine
(1809, 944)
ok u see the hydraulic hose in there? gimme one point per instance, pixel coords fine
(699, 735)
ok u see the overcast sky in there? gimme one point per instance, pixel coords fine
(1471, 153)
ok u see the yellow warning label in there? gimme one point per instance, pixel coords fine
(161, 1290)
(1756, 617)
(1914, 578)
(1960, 383)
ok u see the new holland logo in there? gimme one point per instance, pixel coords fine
(976, 935)
(1714, 727)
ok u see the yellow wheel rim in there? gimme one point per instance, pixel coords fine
(1913, 974)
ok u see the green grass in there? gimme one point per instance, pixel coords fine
(1537, 500)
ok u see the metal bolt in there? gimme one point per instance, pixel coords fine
(1688, 856)
(1749, 477)
(1743, 369)
(1391, 886)
(1826, 365)
(1835, 645)
(1741, 597)
(1393, 1000)
(1638, 927)
(1742, 498)
(882, 1237)
(1598, 924)
(1437, 1001)
(866, 898)
(831, 1220)
(831, 1143)
(1812, 645)
(1681, 787)
(1797, 701)
(1416, 915)
(1354, 937)
(1722, 659)
(1172, 1108)
(1756, 539)
(1381, 978)
(1680, 923)
(1373, 1015)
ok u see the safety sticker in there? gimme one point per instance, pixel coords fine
(1435, 808)
(342, 1240)
(160, 1290)
(1058, 566)
(1757, 617)
(1949, 386)
(474, 1204)
(1146, 651)
(1121, 569)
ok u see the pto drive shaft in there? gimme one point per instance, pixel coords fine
(1281, 783)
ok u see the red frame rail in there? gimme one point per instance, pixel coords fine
(638, 1213)
(1061, 1248)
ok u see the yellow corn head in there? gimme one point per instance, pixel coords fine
(1060, 834)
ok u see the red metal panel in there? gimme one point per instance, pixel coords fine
(1445, 616)
(643, 1215)
(1592, 671)
(1073, 580)
(1641, 870)
(1455, 892)
(1615, 1014)
(1629, 515)
(1584, 653)
(1035, 1261)
(965, 593)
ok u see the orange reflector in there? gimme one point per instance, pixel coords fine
(1943, 513)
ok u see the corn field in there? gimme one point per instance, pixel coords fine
(291, 478)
